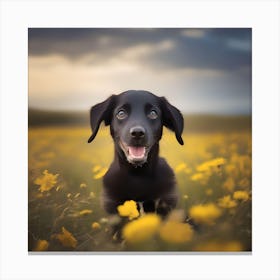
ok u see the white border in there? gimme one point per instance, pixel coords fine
(17, 16)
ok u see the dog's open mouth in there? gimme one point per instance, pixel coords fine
(136, 152)
(136, 155)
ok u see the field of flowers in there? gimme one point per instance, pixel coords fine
(213, 172)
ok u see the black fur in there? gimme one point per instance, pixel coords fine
(148, 180)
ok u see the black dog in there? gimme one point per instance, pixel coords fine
(137, 173)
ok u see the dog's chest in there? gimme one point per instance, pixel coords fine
(137, 187)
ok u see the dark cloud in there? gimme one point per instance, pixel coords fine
(229, 33)
(217, 63)
(202, 54)
(75, 42)
(221, 48)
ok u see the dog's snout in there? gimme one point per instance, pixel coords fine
(137, 132)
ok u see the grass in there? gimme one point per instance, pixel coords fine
(213, 172)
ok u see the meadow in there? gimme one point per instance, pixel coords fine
(213, 172)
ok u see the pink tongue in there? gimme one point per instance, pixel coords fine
(136, 151)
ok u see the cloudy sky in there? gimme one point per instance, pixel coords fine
(198, 70)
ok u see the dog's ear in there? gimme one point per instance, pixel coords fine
(101, 112)
(172, 119)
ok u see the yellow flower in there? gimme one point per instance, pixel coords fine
(42, 245)
(218, 161)
(241, 195)
(226, 202)
(214, 246)
(99, 173)
(47, 181)
(85, 212)
(83, 185)
(206, 214)
(201, 177)
(197, 177)
(95, 225)
(180, 167)
(128, 209)
(208, 165)
(141, 229)
(176, 232)
(96, 168)
(66, 238)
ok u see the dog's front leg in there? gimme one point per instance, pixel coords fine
(166, 203)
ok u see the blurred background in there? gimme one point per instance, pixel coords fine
(201, 71)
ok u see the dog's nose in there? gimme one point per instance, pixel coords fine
(137, 132)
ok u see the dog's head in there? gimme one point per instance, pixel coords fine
(136, 119)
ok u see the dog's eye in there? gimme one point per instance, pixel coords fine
(153, 115)
(121, 115)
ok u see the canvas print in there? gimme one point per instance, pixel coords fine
(139, 139)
